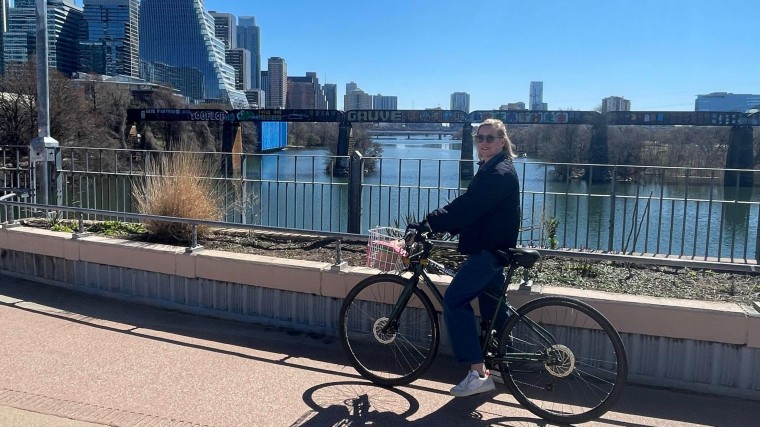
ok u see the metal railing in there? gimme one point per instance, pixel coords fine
(684, 213)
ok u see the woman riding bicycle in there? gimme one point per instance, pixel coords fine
(486, 218)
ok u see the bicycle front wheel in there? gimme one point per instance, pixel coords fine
(391, 356)
(564, 361)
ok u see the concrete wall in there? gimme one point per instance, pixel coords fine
(696, 345)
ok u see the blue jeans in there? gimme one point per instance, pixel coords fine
(481, 273)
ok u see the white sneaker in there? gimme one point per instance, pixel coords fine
(473, 383)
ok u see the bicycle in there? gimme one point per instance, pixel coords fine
(560, 358)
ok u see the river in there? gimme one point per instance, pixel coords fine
(687, 217)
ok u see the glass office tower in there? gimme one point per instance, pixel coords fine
(111, 43)
(64, 19)
(4, 6)
(249, 37)
(177, 40)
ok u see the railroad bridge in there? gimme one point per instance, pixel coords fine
(740, 147)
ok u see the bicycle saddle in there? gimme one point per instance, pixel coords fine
(522, 257)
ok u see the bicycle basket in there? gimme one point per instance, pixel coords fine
(385, 249)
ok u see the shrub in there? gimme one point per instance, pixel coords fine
(178, 184)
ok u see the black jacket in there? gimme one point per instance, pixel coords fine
(487, 216)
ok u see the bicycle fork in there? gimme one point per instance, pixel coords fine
(392, 324)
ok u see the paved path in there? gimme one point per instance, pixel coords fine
(74, 360)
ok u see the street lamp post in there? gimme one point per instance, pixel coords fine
(44, 149)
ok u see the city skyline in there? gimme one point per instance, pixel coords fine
(658, 55)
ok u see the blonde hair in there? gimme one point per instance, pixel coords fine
(501, 131)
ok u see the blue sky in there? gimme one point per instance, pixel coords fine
(659, 54)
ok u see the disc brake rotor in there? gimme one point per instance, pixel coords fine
(377, 331)
(561, 361)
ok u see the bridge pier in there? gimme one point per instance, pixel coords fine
(599, 153)
(740, 156)
(466, 171)
(344, 137)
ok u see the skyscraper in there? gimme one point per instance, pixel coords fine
(240, 60)
(249, 37)
(536, 99)
(64, 19)
(111, 44)
(350, 87)
(4, 6)
(225, 28)
(357, 100)
(277, 92)
(460, 101)
(331, 96)
(264, 86)
(177, 38)
(302, 91)
(380, 102)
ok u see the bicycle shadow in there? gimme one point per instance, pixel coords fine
(358, 403)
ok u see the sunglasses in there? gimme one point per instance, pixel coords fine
(489, 139)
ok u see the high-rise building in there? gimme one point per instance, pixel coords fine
(380, 102)
(4, 6)
(350, 87)
(64, 19)
(256, 98)
(536, 100)
(177, 36)
(460, 101)
(225, 28)
(277, 92)
(240, 60)
(357, 100)
(331, 96)
(303, 91)
(249, 37)
(615, 103)
(723, 101)
(264, 83)
(513, 106)
(110, 45)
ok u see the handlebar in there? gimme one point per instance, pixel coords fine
(417, 245)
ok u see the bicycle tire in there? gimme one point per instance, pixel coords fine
(589, 368)
(393, 359)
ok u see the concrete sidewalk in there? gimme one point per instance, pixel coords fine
(76, 360)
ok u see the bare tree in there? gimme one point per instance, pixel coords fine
(18, 112)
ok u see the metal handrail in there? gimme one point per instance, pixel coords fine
(339, 237)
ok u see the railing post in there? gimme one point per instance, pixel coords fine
(355, 181)
(611, 239)
(757, 239)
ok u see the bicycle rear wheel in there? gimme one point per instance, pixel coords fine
(400, 355)
(580, 368)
